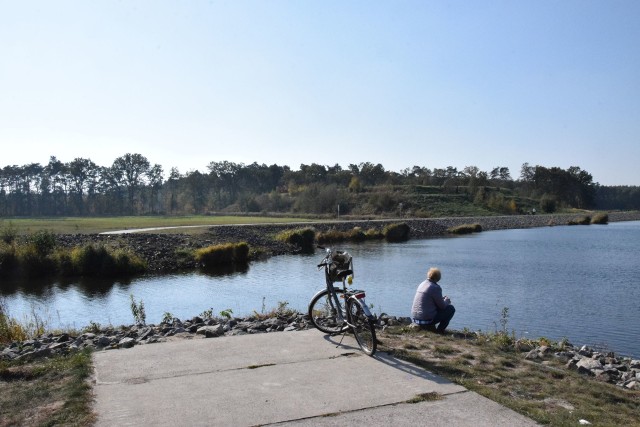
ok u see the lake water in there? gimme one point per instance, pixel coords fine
(578, 282)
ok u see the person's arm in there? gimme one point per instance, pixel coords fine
(440, 301)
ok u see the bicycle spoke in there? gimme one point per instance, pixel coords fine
(324, 315)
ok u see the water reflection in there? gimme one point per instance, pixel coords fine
(225, 270)
(91, 287)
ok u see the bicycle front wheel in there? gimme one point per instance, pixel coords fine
(323, 312)
(363, 327)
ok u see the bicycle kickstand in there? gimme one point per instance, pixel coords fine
(343, 332)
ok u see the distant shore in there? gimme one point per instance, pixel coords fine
(159, 249)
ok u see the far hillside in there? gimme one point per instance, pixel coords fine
(132, 186)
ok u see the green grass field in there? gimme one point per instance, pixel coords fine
(89, 225)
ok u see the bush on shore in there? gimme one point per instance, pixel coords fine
(465, 229)
(356, 235)
(304, 238)
(39, 256)
(223, 254)
(396, 232)
(601, 218)
(585, 220)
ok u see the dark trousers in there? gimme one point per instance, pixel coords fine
(443, 318)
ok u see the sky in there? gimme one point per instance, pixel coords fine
(429, 83)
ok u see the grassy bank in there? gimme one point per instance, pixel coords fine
(91, 225)
(47, 392)
(493, 366)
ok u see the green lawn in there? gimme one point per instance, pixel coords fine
(88, 225)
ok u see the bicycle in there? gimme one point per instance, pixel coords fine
(329, 315)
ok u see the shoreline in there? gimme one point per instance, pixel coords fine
(159, 249)
(609, 367)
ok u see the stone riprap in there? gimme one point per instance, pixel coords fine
(607, 367)
(160, 250)
(622, 371)
(128, 336)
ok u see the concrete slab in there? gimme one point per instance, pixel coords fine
(296, 378)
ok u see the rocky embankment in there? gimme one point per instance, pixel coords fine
(160, 251)
(607, 367)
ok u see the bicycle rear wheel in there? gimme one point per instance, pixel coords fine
(364, 329)
(324, 314)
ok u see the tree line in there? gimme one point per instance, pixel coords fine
(133, 186)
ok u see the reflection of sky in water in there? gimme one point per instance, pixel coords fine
(579, 282)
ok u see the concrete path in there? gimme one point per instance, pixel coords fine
(287, 378)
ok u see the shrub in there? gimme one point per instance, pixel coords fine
(43, 241)
(88, 260)
(127, 263)
(548, 204)
(8, 233)
(224, 254)
(65, 263)
(396, 232)
(97, 260)
(8, 260)
(241, 252)
(585, 220)
(372, 234)
(33, 263)
(12, 330)
(301, 237)
(601, 218)
(465, 229)
(330, 236)
(356, 234)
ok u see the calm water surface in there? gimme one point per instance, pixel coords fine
(579, 282)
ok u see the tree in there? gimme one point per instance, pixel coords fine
(56, 184)
(371, 174)
(155, 176)
(172, 187)
(527, 173)
(83, 174)
(132, 168)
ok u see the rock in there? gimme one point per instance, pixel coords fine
(544, 350)
(585, 351)
(564, 355)
(146, 333)
(126, 342)
(62, 338)
(58, 346)
(633, 385)
(533, 355)
(211, 331)
(103, 342)
(587, 366)
(607, 375)
(35, 354)
(8, 354)
(524, 345)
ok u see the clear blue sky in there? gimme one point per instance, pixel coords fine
(401, 83)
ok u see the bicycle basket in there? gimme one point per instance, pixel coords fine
(340, 261)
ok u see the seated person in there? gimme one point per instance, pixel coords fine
(430, 309)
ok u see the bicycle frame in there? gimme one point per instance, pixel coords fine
(348, 293)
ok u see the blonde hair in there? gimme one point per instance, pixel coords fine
(434, 274)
